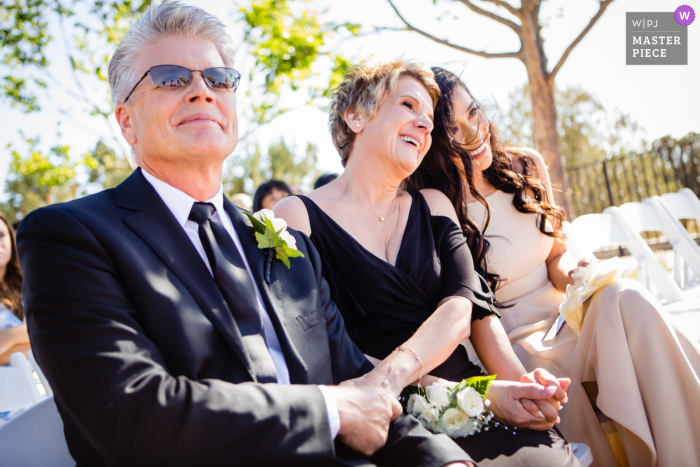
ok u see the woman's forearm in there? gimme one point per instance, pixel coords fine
(433, 342)
(14, 339)
(15, 335)
(491, 343)
(558, 268)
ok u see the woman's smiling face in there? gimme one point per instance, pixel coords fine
(471, 128)
(400, 130)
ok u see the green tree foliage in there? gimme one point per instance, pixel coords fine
(286, 39)
(105, 168)
(587, 132)
(25, 38)
(38, 179)
(281, 162)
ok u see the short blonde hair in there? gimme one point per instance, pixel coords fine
(363, 90)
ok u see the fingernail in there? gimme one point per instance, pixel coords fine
(540, 414)
(550, 390)
(558, 420)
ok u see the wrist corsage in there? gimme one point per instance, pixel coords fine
(457, 411)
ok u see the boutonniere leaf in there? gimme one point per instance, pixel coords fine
(271, 233)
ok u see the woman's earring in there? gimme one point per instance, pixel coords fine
(357, 125)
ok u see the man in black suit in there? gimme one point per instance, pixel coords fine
(166, 333)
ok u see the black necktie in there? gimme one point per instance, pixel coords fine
(236, 285)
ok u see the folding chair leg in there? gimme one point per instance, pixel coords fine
(612, 435)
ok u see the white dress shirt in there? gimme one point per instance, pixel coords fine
(180, 204)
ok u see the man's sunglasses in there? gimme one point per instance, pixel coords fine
(174, 76)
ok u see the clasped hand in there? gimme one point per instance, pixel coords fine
(533, 403)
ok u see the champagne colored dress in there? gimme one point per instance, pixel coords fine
(647, 371)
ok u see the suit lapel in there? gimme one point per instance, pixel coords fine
(156, 225)
(271, 293)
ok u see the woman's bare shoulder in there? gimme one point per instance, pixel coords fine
(293, 211)
(439, 204)
(532, 155)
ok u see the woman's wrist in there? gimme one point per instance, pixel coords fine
(401, 369)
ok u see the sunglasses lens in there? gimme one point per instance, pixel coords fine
(170, 76)
(222, 78)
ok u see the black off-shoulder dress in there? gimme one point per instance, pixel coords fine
(384, 305)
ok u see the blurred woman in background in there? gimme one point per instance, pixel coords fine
(269, 194)
(13, 330)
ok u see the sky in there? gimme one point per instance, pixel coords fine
(664, 100)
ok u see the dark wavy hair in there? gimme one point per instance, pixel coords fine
(265, 189)
(512, 171)
(11, 285)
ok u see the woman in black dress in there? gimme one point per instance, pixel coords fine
(401, 273)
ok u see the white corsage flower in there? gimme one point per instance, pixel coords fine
(438, 394)
(417, 404)
(470, 401)
(430, 418)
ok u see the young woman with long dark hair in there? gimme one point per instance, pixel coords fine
(646, 372)
(13, 331)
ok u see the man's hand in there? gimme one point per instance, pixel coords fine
(365, 413)
(507, 399)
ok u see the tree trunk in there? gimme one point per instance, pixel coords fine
(544, 112)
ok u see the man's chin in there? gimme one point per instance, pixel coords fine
(206, 147)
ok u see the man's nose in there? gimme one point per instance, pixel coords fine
(198, 89)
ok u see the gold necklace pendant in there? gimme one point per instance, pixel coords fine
(381, 218)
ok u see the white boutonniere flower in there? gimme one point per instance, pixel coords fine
(587, 281)
(271, 234)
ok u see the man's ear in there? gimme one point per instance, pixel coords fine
(126, 123)
(354, 120)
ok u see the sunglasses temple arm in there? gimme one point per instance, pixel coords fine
(134, 88)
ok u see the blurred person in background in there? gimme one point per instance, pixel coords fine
(269, 194)
(324, 179)
(13, 330)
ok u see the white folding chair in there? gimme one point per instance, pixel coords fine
(583, 453)
(42, 378)
(17, 385)
(675, 206)
(593, 231)
(35, 437)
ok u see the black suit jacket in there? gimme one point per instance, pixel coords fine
(144, 357)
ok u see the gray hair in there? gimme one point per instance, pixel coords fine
(164, 20)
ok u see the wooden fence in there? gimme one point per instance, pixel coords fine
(667, 167)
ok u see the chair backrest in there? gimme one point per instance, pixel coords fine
(650, 272)
(641, 217)
(35, 437)
(17, 385)
(682, 204)
(591, 232)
